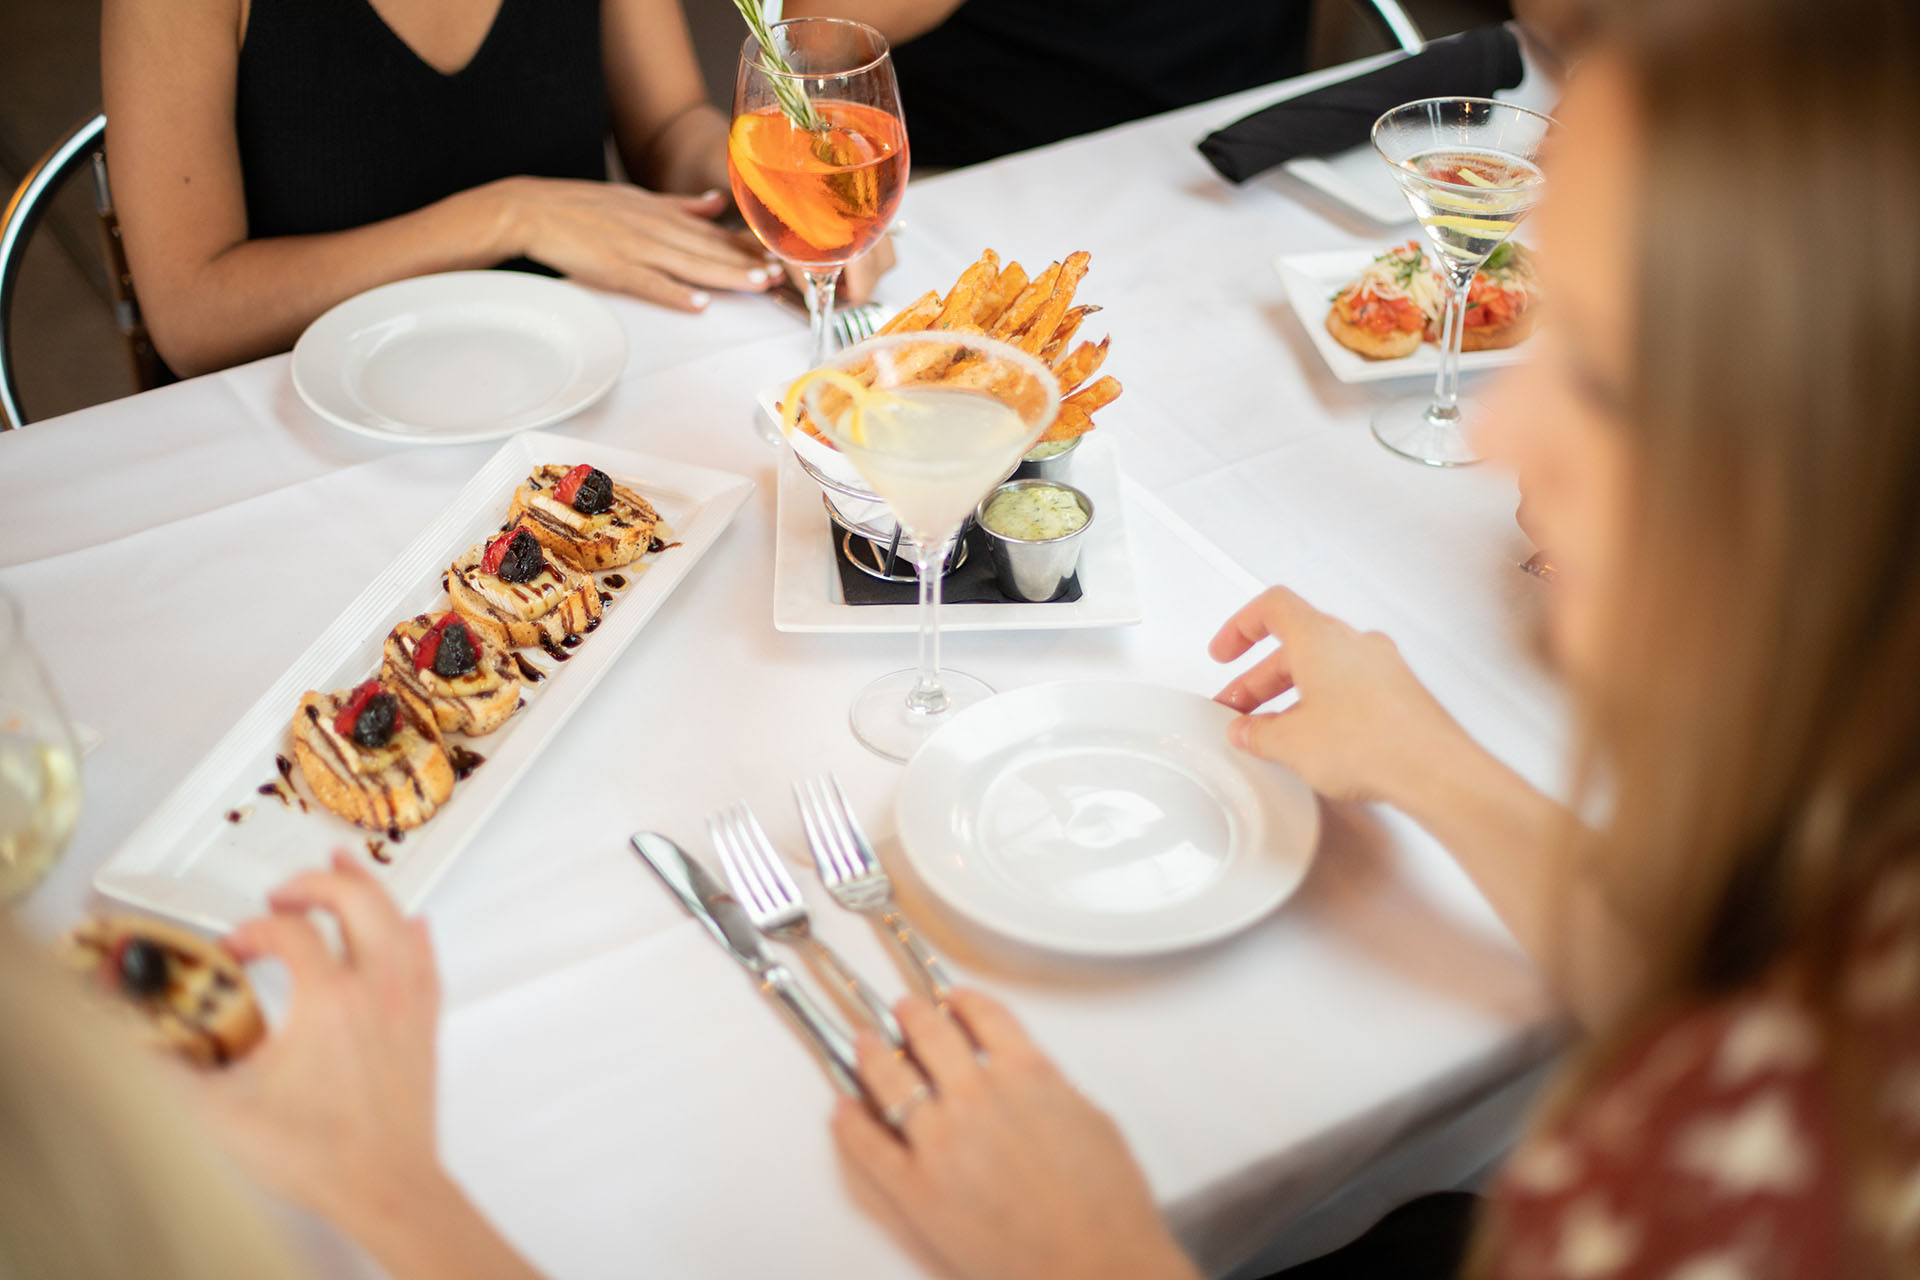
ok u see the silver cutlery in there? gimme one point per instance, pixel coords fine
(763, 885)
(853, 874)
(723, 917)
(854, 324)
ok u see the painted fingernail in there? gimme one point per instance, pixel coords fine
(711, 193)
(759, 275)
(1237, 731)
(700, 300)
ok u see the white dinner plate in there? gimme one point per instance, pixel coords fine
(1312, 279)
(1103, 817)
(459, 357)
(214, 847)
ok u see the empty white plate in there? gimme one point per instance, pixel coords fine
(459, 357)
(1103, 817)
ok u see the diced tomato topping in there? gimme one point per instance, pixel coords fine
(1490, 304)
(1387, 315)
(497, 550)
(423, 653)
(570, 483)
(356, 703)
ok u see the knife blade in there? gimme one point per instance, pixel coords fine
(706, 901)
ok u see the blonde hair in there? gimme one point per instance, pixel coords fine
(100, 1172)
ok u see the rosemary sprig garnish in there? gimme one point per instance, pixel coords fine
(792, 98)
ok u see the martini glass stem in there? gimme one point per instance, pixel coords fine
(821, 284)
(1446, 383)
(926, 697)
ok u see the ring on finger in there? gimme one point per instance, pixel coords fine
(896, 1115)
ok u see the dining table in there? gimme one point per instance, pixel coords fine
(613, 1092)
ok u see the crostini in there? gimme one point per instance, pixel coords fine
(584, 518)
(194, 998)
(373, 755)
(514, 595)
(1384, 314)
(469, 683)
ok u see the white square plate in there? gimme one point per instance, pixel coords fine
(188, 860)
(1312, 279)
(806, 580)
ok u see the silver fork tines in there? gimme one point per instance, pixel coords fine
(852, 873)
(760, 880)
(855, 324)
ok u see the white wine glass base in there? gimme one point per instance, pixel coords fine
(887, 726)
(1411, 429)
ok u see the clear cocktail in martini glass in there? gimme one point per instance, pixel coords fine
(932, 421)
(1470, 169)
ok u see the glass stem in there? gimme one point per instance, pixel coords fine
(820, 289)
(927, 698)
(1446, 384)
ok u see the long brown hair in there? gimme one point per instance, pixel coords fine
(1755, 741)
(1760, 732)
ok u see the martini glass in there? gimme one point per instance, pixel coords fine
(1470, 169)
(947, 417)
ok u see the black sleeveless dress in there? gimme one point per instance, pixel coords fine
(340, 123)
(1005, 75)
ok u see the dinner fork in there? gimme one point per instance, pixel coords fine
(855, 324)
(762, 883)
(853, 875)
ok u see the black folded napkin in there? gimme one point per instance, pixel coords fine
(1470, 65)
(972, 583)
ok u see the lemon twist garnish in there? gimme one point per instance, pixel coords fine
(864, 399)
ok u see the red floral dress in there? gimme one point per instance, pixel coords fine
(1712, 1151)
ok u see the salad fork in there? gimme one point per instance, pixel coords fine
(852, 873)
(763, 885)
(855, 324)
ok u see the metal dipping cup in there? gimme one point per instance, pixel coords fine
(1034, 569)
(1054, 468)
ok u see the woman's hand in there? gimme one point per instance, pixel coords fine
(860, 276)
(335, 1112)
(1364, 728)
(1000, 1169)
(337, 1106)
(661, 248)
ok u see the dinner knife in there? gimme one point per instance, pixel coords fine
(727, 921)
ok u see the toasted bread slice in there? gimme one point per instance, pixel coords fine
(390, 788)
(628, 529)
(556, 603)
(1372, 343)
(1494, 337)
(194, 997)
(477, 702)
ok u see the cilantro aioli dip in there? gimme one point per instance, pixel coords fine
(1052, 449)
(1034, 513)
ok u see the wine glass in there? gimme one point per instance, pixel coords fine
(946, 417)
(39, 765)
(1470, 169)
(817, 153)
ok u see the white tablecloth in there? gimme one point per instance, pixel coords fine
(614, 1093)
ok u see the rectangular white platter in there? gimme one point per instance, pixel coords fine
(806, 581)
(187, 860)
(1312, 279)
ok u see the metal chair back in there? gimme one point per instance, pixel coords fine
(83, 147)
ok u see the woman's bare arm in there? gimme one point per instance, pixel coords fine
(1365, 729)
(213, 297)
